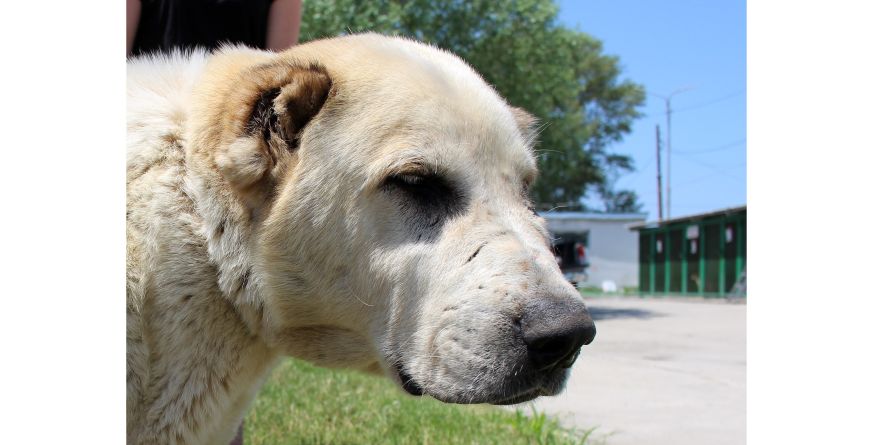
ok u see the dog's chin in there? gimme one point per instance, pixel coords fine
(549, 385)
(531, 395)
(407, 382)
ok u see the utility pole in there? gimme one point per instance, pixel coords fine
(667, 99)
(658, 166)
(668, 112)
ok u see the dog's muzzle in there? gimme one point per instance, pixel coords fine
(551, 331)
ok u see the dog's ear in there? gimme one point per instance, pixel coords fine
(282, 113)
(282, 100)
(527, 124)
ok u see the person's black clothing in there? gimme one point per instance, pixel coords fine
(167, 24)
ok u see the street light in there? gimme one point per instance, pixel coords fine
(667, 99)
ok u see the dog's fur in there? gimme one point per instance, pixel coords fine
(271, 213)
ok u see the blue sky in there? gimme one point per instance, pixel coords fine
(665, 46)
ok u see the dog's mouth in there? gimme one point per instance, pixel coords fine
(408, 383)
(525, 397)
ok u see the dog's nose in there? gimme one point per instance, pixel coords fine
(555, 331)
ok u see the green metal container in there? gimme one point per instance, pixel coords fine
(701, 254)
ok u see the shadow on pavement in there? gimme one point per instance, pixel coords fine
(605, 313)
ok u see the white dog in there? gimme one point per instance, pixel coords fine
(356, 202)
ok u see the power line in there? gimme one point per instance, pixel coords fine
(667, 98)
(700, 178)
(709, 176)
(713, 149)
(628, 179)
(632, 176)
(658, 169)
(713, 167)
(711, 102)
(703, 104)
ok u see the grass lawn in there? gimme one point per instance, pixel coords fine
(303, 404)
(590, 292)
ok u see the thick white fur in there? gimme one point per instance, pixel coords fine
(324, 263)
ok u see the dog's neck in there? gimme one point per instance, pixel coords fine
(195, 353)
(228, 226)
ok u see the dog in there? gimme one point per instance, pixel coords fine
(357, 202)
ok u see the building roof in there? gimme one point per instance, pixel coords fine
(593, 216)
(689, 218)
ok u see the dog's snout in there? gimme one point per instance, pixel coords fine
(554, 332)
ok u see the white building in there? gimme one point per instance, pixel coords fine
(611, 248)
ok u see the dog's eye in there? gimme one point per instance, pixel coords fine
(524, 190)
(424, 189)
(410, 180)
(427, 192)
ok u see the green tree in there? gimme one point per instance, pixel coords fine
(556, 73)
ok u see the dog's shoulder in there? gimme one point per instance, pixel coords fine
(158, 90)
(159, 213)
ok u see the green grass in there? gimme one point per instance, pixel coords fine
(303, 404)
(591, 291)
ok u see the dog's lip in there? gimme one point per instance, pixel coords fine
(520, 398)
(409, 385)
(407, 382)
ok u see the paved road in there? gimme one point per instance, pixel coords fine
(660, 372)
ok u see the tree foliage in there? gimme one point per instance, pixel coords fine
(556, 73)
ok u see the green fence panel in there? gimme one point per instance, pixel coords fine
(675, 260)
(730, 255)
(711, 259)
(692, 261)
(702, 256)
(645, 262)
(658, 284)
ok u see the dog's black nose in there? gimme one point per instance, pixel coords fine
(555, 331)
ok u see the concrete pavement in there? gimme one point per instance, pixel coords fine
(660, 372)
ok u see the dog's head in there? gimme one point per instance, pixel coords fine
(397, 234)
